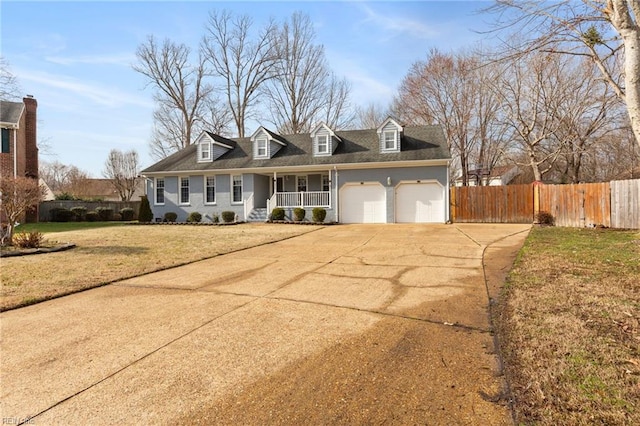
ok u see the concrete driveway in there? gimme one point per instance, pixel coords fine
(348, 324)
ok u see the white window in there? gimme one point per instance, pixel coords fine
(205, 151)
(301, 183)
(236, 188)
(159, 190)
(184, 190)
(389, 140)
(261, 146)
(210, 189)
(325, 183)
(323, 144)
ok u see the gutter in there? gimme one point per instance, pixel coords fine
(308, 167)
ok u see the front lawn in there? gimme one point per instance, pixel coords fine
(107, 252)
(48, 227)
(568, 324)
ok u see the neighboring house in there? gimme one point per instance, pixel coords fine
(103, 189)
(384, 175)
(19, 156)
(499, 175)
(19, 148)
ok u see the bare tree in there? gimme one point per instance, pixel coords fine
(180, 91)
(602, 30)
(370, 116)
(337, 111)
(302, 89)
(122, 169)
(586, 110)
(240, 62)
(531, 88)
(450, 90)
(17, 196)
(62, 178)
(9, 86)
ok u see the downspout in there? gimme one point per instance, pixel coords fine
(447, 193)
(335, 169)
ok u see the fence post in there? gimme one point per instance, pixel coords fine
(452, 204)
(536, 200)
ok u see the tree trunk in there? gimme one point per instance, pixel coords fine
(620, 16)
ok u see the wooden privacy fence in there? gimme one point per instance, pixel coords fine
(492, 204)
(613, 204)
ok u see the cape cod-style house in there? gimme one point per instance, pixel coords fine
(385, 175)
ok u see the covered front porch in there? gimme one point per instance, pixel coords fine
(287, 189)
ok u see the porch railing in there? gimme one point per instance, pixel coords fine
(300, 199)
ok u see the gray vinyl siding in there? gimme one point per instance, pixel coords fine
(261, 190)
(218, 151)
(274, 147)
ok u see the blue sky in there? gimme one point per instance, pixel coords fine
(75, 58)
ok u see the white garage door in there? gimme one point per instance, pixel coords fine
(420, 202)
(363, 203)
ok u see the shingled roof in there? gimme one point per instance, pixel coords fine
(10, 112)
(356, 146)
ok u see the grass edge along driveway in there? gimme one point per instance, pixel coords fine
(104, 254)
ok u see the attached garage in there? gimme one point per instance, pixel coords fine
(363, 203)
(420, 202)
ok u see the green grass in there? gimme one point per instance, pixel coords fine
(48, 227)
(569, 329)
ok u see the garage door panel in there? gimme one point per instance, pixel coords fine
(365, 203)
(420, 203)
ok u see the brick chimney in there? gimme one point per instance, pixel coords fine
(31, 148)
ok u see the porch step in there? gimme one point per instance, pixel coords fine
(258, 215)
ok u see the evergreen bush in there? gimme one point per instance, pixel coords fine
(277, 214)
(318, 214)
(145, 214)
(299, 214)
(228, 216)
(194, 217)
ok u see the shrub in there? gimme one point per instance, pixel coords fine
(117, 217)
(28, 239)
(277, 214)
(194, 217)
(318, 214)
(545, 218)
(145, 214)
(215, 218)
(298, 214)
(170, 216)
(127, 213)
(79, 213)
(61, 215)
(65, 196)
(105, 213)
(228, 216)
(92, 216)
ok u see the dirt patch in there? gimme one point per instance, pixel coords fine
(398, 372)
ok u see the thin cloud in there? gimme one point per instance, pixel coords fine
(399, 24)
(116, 59)
(104, 96)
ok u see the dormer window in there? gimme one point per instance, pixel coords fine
(266, 144)
(390, 140)
(205, 151)
(325, 141)
(323, 144)
(261, 147)
(390, 133)
(211, 147)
